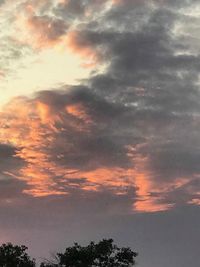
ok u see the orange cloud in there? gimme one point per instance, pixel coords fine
(39, 31)
(80, 112)
(82, 48)
(47, 135)
(150, 192)
(30, 126)
(46, 31)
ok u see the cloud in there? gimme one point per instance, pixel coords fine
(59, 137)
(134, 127)
(8, 160)
(79, 10)
(41, 31)
(81, 46)
(73, 140)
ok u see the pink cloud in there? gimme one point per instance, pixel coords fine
(46, 135)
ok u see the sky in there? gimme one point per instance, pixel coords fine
(99, 126)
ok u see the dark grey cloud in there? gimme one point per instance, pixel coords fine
(6, 151)
(11, 190)
(175, 160)
(77, 9)
(8, 159)
(154, 77)
(70, 9)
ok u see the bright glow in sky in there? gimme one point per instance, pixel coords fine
(48, 69)
(25, 68)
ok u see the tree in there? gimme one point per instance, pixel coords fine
(102, 254)
(15, 256)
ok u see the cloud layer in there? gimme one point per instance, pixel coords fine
(133, 127)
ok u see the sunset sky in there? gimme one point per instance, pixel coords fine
(100, 126)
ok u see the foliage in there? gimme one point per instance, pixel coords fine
(15, 256)
(102, 254)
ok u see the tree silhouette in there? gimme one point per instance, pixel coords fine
(15, 256)
(102, 254)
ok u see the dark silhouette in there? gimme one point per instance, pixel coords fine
(102, 254)
(15, 256)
